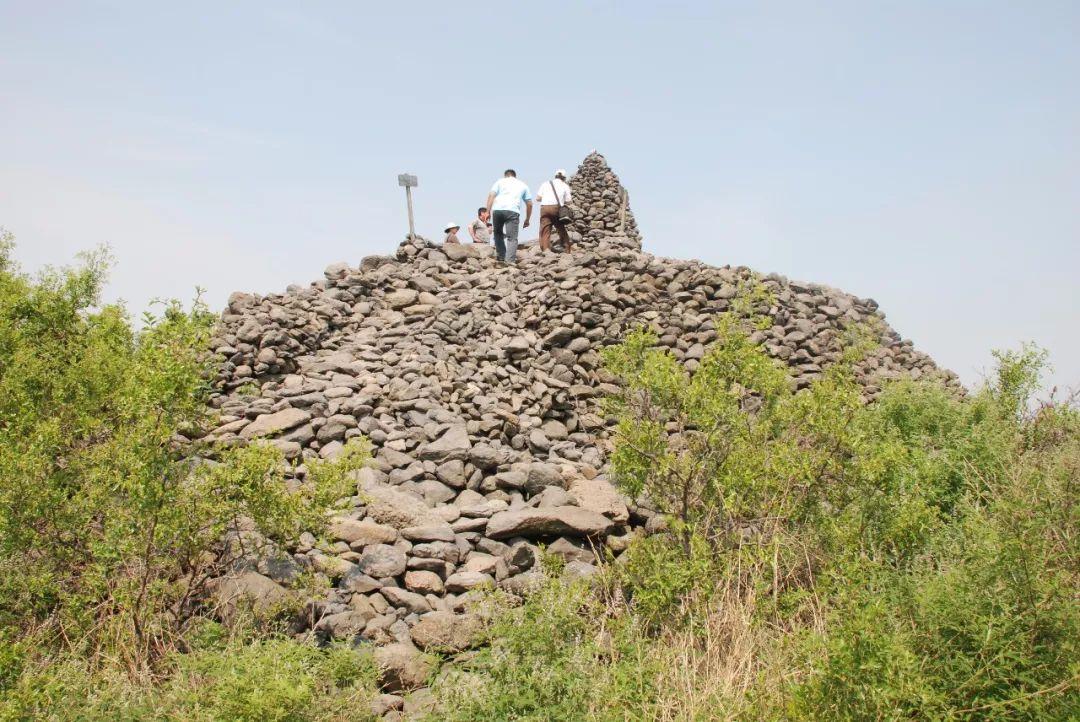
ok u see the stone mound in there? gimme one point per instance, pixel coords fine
(479, 387)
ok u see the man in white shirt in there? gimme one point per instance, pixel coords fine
(552, 196)
(504, 205)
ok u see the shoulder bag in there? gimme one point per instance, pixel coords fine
(565, 215)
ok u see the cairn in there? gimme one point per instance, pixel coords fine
(601, 205)
(479, 387)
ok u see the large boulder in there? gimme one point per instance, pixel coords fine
(600, 496)
(554, 521)
(402, 667)
(443, 631)
(382, 560)
(398, 509)
(453, 444)
(275, 423)
(249, 590)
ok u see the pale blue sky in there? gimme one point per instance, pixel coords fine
(926, 154)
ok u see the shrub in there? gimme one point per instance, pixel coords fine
(113, 509)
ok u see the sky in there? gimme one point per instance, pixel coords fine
(922, 153)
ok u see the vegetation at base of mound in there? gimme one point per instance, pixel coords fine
(109, 532)
(916, 558)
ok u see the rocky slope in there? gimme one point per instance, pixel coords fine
(479, 388)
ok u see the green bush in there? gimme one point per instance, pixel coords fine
(113, 509)
(275, 679)
(549, 659)
(913, 558)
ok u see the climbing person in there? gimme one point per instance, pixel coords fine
(480, 229)
(451, 233)
(504, 204)
(553, 197)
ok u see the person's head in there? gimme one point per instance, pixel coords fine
(451, 229)
(482, 213)
(509, 173)
(560, 174)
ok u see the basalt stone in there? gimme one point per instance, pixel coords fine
(382, 560)
(481, 390)
(560, 520)
(272, 424)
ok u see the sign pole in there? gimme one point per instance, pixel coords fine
(409, 182)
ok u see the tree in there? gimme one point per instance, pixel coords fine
(113, 507)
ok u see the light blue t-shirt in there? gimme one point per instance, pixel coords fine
(510, 193)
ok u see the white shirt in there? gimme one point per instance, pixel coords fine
(560, 197)
(510, 193)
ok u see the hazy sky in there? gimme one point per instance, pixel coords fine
(926, 154)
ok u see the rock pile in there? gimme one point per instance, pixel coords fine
(479, 388)
(601, 205)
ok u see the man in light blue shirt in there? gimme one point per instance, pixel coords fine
(504, 206)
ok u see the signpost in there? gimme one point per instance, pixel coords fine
(409, 182)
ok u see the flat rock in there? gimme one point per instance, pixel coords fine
(600, 496)
(464, 581)
(361, 533)
(396, 508)
(453, 444)
(275, 423)
(554, 521)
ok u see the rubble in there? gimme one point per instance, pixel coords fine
(480, 388)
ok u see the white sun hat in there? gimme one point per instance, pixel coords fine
(450, 225)
(560, 172)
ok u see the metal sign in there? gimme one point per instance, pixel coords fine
(409, 182)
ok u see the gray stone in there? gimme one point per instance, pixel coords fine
(402, 667)
(272, 424)
(541, 475)
(556, 521)
(464, 581)
(453, 444)
(443, 631)
(382, 560)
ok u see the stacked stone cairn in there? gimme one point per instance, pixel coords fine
(601, 206)
(479, 387)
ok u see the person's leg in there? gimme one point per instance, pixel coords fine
(512, 226)
(545, 228)
(497, 220)
(564, 232)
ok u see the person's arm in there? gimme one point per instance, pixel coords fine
(528, 212)
(472, 231)
(490, 202)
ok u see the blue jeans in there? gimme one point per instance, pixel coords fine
(506, 235)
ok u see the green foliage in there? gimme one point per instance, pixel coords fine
(661, 578)
(918, 556)
(913, 558)
(113, 511)
(271, 679)
(549, 661)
